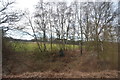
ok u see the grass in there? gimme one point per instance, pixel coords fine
(109, 54)
(50, 60)
(29, 47)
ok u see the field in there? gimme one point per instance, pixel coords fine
(31, 46)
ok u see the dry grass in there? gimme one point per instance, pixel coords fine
(72, 64)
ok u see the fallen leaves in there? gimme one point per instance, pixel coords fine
(71, 74)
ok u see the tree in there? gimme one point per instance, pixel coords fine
(41, 20)
(102, 17)
(30, 23)
(7, 16)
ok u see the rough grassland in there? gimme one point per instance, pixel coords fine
(28, 63)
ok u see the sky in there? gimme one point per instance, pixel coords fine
(29, 5)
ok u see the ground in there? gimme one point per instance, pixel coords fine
(72, 65)
(71, 74)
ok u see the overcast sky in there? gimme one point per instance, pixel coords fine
(29, 4)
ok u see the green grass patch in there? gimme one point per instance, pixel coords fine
(30, 47)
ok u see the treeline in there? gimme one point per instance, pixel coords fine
(55, 41)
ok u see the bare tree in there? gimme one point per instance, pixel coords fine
(41, 20)
(7, 16)
(102, 17)
(30, 23)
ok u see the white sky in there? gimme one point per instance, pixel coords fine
(29, 4)
(23, 4)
